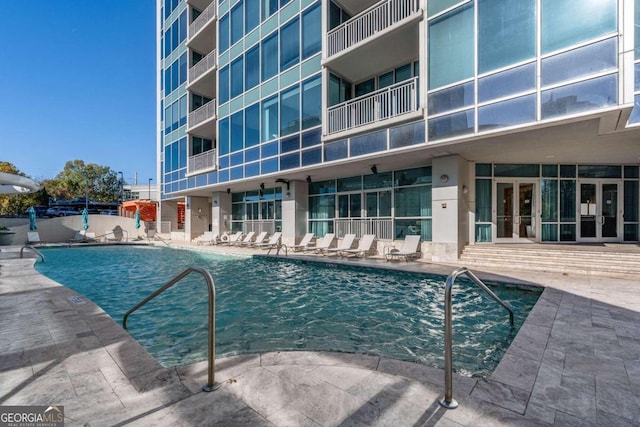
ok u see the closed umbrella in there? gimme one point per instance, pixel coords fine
(85, 219)
(32, 219)
(136, 217)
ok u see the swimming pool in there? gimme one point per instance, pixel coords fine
(275, 304)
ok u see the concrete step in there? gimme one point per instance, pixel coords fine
(522, 262)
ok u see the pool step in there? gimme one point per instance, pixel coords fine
(590, 260)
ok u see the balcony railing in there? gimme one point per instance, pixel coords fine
(378, 17)
(382, 228)
(206, 160)
(204, 65)
(202, 20)
(382, 104)
(258, 226)
(206, 112)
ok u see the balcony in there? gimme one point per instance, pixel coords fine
(202, 32)
(207, 63)
(390, 26)
(202, 162)
(384, 104)
(202, 78)
(382, 228)
(201, 122)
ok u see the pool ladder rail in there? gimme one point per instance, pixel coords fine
(447, 400)
(38, 253)
(211, 384)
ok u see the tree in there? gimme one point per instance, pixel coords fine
(17, 204)
(101, 183)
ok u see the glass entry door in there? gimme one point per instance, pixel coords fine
(515, 211)
(599, 211)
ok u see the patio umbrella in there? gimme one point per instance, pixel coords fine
(136, 217)
(32, 219)
(85, 219)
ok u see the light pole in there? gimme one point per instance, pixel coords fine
(150, 179)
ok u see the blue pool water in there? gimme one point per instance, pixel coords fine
(275, 304)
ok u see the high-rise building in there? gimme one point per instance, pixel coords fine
(475, 121)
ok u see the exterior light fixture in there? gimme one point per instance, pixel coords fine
(374, 169)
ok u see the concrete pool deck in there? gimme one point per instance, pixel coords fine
(575, 361)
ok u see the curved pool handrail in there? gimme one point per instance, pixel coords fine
(448, 401)
(211, 385)
(33, 249)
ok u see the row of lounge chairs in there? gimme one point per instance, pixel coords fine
(366, 245)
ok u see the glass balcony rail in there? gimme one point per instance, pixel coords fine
(377, 18)
(206, 112)
(206, 160)
(382, 228)
(204, 65)
(382, 104)
(202, 20)
(259, 225)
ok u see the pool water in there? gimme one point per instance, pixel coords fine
(279, 304)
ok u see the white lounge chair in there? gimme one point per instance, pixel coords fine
(274, 242)
(304, 243)
(208, 238)
(83, 236)
(365, 246)
(346, 243)
(33, 238)
(260, 238)
(324, 243)
(410, 249)
(247, 239)
(231, 239)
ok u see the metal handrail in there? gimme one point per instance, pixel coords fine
(33, 249)
(211, 385)
(448, 401)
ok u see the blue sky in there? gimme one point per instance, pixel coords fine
(77, 81)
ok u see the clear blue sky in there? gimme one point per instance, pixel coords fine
(78, 81)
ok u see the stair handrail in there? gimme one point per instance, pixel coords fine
(211, 385)
(33, 249)
(447, 400)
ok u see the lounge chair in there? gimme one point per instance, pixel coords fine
(365, 247)
(208, 238)
(324, 243)
(274, 242)
(346, 243)
(231, 239)
(247, 239)
(33, 238)
(83, 236)
(304, 243)
(410, 249)
(110, 236)
(260, 238)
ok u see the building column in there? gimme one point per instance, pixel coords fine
(295, 205)
(221, 213)
(450, 205)
(196, 220)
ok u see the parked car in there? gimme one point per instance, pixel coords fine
(41, 211)
(57, 211)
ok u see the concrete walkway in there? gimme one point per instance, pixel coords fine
(575, 361)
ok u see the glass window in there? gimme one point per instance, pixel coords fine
(335, 151)
(567, 200)
(269, 119)
(252, 125)
(311, 138)
(403, 73)
(312, 157)
(378, 180)
(289, 44)
(599, 171)
(311, 31)
(635, 112)
(252, 67)
(483, 200)
(631, 213)
(437, 6)
(183, 111)
(507, 170)
(484, 169)
(183, 27)
(365, 87)
(237, 22)
(385, 80)
(174, 35)
(269, 7)
(322, 207)
(167, 42)
(550, 171)
(549, 189)
(451, 98)
(224, 85)
(508, 82)
(237, 77)
(223, 136)
(290, 161)
(252, 15)
(413, 176)
(223, 29)
(334, 15)
(631, 172)
(452, 125)
(270, 149)
(167, 119)
(567, 22)
(352, 183)
(506, 33)
(578, 97)
(311, 102)
(368, 143)
(290, 144)
(451, 47)
(237, 131)
(175, 115)
(405, 135)
(183, 69)
(636, 8)
(507, 113)
(174, 76)
(413, 201)
(290, 111)
(270, 56)
(586, 60)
